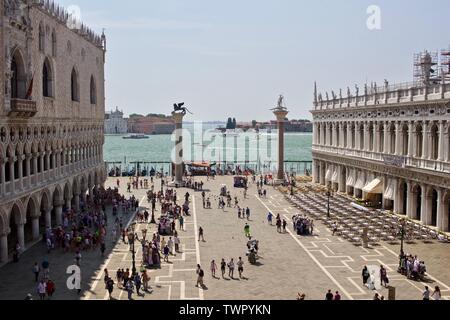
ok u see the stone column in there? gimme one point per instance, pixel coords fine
(341, 135)
(366, 137)
(349, 135)
(411, 151)
(425, 141)
(315, 172)
(178, 117)
(48, 218)
(281, 114)
(35, 227)
(387, 138)
(424, 204)
(28, 167)
(20, 165)
(357, 136)
(3, 248)
(20, 235)
(398, 139)
(409, 201)
(397, 198)
(35, 166)
(442, 141)
(2, 177)
(376, 137)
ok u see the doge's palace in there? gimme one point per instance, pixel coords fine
(51, 118)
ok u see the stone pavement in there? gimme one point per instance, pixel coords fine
(289, 263)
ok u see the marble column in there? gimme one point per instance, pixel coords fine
(48, 218)
(387, 139)
(366, 137)
(411, 132)
(376, 137)
(440, 209)
(35, 167)
(2, 177)
(76, 202)
(12, 174)
(178, 117)
(315, 172)
(20, 165)
(398, 138)
(424, 204)
(441, 141)
(3, 248)
(280, 114)
(349, 135)
(409, 202)
(28, 167)
(425, 141)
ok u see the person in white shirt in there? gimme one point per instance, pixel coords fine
(436, 295)
(42, 288)
(426, 294)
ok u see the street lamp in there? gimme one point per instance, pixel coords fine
(402, 238)
(328, 203)
(132, 248)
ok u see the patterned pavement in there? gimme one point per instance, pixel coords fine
(289, 263)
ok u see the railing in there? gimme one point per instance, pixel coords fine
(144, 167)
(21, 108)
(435, 165)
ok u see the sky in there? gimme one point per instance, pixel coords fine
(233, 58)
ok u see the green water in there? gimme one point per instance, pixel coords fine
(158, 148)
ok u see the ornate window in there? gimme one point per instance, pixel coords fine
(93, 91)
(47, 79)
(74, 86)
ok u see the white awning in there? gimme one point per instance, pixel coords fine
(351, 179)
(374, 187)
(389, 194)
(335, 177)
(360, 182)
(328, 175)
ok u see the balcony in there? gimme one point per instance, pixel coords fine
(21, 108)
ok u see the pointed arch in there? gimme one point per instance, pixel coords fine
(18, 79)
(47, 79)
(93, 91)
(74, 85)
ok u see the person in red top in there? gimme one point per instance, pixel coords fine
(50, 288)
(337, 296)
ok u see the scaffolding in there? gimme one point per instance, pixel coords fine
(426, 68)
(445, 62)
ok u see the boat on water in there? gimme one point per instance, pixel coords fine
(136, 136)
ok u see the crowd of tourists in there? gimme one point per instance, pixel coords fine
(303, 225)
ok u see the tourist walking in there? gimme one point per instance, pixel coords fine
(231, 268)
(223, 265)
(436, 295)
(36, 271)
(383, 276)
(329, 296)
(365, 275)
(247, 213)
(145, 280)
(337, 296)
(247, 230)
(129, 288)
(269, 218)
(426, 294)
(200, 234)
(166, 253)
(284, 225)
(200, 275)
(213, 268)
(137, 283)
(240, 265)
(50, 288)
(110, 287)
(181, 221)
(42, 289)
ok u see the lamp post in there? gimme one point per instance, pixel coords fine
(328, 204)
(402, 238)
(132, 248)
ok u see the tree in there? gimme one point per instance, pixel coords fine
(135, 115)
(229, 124)
(234, 123)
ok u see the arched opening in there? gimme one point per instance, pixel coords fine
(417, 201)
(14, 218)
(93, 91)
(446, 213)
(434, 207)
(318, 134)
(28, 228)
(434, 142)
(381, 140)
(403, 192)
(74, 86)
(18, 78)
(47, 79)
(393, 136)
(419, 141)
(405, 136)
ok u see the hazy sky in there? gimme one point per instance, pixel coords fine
(234, 57)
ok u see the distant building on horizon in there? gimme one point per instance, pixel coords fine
(151, 124)
(115, 123)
